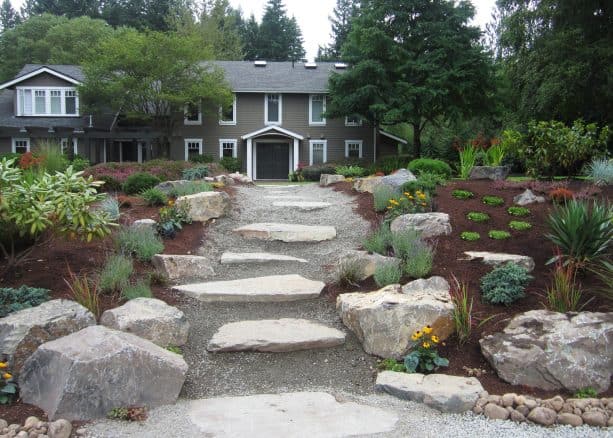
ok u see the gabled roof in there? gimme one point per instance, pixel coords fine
(272, 130)
(68, 73)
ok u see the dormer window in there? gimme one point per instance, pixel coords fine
(41, 101)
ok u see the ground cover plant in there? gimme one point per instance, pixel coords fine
(462, 194)
(196, 172)
(477, 216)
(498, 234)
(470, 236)
(494, 201)
(115, 174)
(561, 195)
(518, 211)
(14, 299)
(520, 225)
(8, 384)
(505, 284)
(172, 218)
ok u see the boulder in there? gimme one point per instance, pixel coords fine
(84, 375)
(490, 172)
(439, 391)
(527, 197)
(366, 262)
(224, 179)
(287, 232)
(570, 419)
(169, 186)
(543, 416)
(495, 412)
(206, 205)
(429, 224)
(151, 319)
(398, 178)
(183, 267)
(385, 320)
(367, 184)
(22, 332)
(538, 348)
(240, 178)
(423, 285)
(144, 223)
(497, 258)
(326, 179)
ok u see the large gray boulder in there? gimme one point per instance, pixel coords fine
(84, 375)
(433, 284)
(398, 178)
(206, 205)
(22, 332)
(151, 319)
(528, 197)
(327, 179)
(183, 267)
(498, 258)
(366, 263)
(490, 172)
(554, 351)
(367, 184)
(385, 320)
(429, 224)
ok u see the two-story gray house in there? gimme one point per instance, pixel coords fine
(277, 120)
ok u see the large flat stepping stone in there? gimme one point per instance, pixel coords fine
(439, 391)
(287, 232)
(296, 414)
(275, 336)
(234, 258)
(278, 186)
(284, 197)
(495, 258)
(302, 205)
(272, 288)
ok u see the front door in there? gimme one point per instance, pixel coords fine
(272, 161)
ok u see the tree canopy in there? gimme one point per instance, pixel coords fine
(9, 18)
(342, 16)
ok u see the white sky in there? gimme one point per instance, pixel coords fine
(312, 16)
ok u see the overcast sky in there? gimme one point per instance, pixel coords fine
(313, 15)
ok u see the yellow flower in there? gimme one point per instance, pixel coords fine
(427, 329)
(434, 339)
(3, 365)
(417, 335)
(426, 344)
(171, 202)
(423, 204)
(7, 375)
(422, 196)
(407, 194)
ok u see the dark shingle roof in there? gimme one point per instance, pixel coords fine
(73, 71)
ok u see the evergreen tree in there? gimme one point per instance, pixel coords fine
(279, 37)
(9, 18)
(250, 35)
(68, 8)
(220, 26)
(342, 16)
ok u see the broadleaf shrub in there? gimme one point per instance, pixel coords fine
(520, 225)
(12, 300)
(499, 234)
(231, 164)
(139, 182)
(518, 211)
(470, 236)
(430, 165)
(389, 164)
(202, 159)
(494, 201)
(426, 182)
(505, 284)
(314, 172)
(350, 171)
(477, 216)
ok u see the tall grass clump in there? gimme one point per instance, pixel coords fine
(115, 275)
(600, 171)
(382, 195)
(387, 273)
(462, 314)
(138, 290)
(378, 241)
(84, 291)
(564, 293)
(468, 159)
(142, 242)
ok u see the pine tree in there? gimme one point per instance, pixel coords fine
(250, 32)
(343, 14)
(279, 37)
(9, 18)
(68, 8)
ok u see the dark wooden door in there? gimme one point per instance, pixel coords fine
(272, 160)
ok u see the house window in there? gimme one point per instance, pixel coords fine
(193, 115)
(20, 145)
(317, 108)
(193, 147)
(272, 108)
(318, 151)
(38, 101)
(353, 120)
(353, 148)
(227, 148)
(65, 144)
(227, 116)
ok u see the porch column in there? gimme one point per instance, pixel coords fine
(250, 158)
(104, 152)
(296, 154)
(139, 147)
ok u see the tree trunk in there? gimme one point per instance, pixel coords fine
(417, 139)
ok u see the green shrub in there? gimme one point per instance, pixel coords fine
(470, 236)
(387, 273)
(80, 163)
(600, 171)
(12, 300)
(499, 234)
(139, 182)
(430, 165)
(494, 201)
(190, 189)
(350, 171)
(110, 184)
(231, 164)
(518, 211)
(419, 265)
(382, 195)
(587, 392)
(427, 182)
(519, 225)
(115, 274)
(391, 365)
(477, 216)
(202, 159)
(379, 241)
(143, 242)
(404, 243)
(194, 173)
(110, 205)
(462, 194)
(505, 284)
(314, 172)
(139, 290)
(154, 197)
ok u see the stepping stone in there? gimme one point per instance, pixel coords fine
(302, 205)
(277, 193)
(495, 258)
(234, 258)
(295, 414)
(283, 197)
(278, 186)
(439, 391)
(287, 232)
(272, 288)
(275, 336)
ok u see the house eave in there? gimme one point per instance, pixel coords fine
(274, 129)
(36, 73)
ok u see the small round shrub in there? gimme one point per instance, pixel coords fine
(430, 165)
(154, 197)
(499, 234)
(427, 182)
(470, 236)
(494, 201)
(505, 284)
(520, 225)
(139, 182)
(462, 194)
(231, 164)
(203, 159)
(518, 211)
(477, 216)
(387, 273)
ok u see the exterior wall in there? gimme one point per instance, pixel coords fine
(5, 145)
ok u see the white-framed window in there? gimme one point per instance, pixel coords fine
(44, 101)
(317, 108)
(192, 114)
(65, 144)
(193, 147)
(353, 120)
(227, 148)
(273, 109)
(353, 148)
(20, 145)
(227, 116)
(318, 151)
